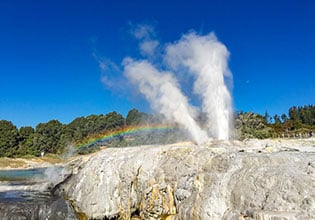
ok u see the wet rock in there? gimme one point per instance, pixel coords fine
(30, 194)
(50, 208)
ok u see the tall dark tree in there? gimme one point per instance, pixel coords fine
(276, 119)
(26, 135)
(47, 137)
(8, 139)
(284, 118)
(293, 113)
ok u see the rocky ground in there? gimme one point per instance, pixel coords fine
(253, 179)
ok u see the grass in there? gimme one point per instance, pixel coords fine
(48, 158)
(26, 161)
(12, 163)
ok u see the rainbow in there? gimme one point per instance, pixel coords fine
(124, 131)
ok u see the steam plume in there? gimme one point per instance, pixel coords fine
(206, 58)
(145, 34)
(163, 93)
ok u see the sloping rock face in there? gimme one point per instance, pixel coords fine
(220, 180)
(50, 208)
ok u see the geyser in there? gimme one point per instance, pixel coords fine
(159, 73)
(161, 90)
(206, 58)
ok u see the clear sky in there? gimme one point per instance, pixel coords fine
(49, 52)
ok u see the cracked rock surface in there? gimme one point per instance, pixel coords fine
(218, 180)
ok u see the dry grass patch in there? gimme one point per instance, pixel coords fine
(28, 162)
(12, 163)
(49, 158)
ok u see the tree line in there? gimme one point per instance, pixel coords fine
(300, 122)
(53, 136)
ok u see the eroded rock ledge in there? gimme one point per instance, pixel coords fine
(220, 180)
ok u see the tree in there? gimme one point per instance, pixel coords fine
(77, 129)
(284, 118)
(82, 127)
(307, 114)
(251, 125)
(47, 137)
(114, 120)
(267, 118)
(96, 123)
(8, 139)
(134, 117)
(293, 113)
(26, 135)
(276, 119)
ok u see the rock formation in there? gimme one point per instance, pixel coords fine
(41, 206)
(274, 179)
(29, 195)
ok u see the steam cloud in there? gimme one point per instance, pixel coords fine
(147, 44)
(164, 95)
(206, 58)
(201, 56)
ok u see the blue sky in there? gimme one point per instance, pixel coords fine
(49, 52)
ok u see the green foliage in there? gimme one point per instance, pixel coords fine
(26, 135)
(250, 125)
(134, 117)
(88, 150)
(113, 120)
(76, 130)
(284, 118)
(83, 127)
(150, 137)
(8, 139)
(276, 119)
(300, 123)
(293, 113)
(54, 137)
(47, 137)
(307, 114)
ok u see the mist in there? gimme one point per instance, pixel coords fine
(159, 71)
(163, 93)
(206, 59)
